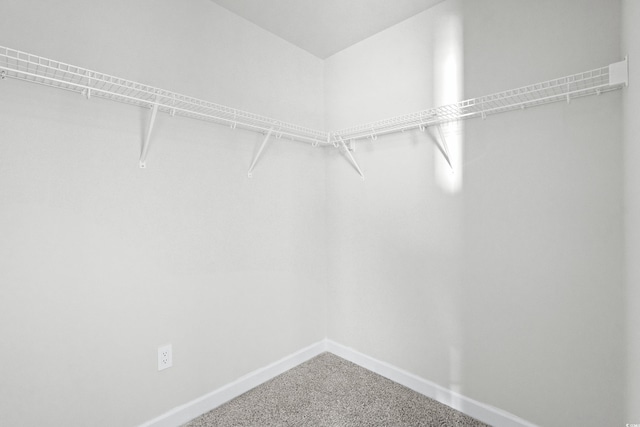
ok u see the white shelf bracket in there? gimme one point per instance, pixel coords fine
(619, 72)
(234, 123)
(88, 94)
(335, 141)
(339, 139)
(259, 153)
(442, 145)
(145, 146)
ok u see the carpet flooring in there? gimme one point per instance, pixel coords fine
(330, 391)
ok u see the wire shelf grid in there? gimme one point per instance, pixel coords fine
(40, 70)
(24, 66)
(566, 88)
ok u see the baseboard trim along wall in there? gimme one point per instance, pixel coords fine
(485, 413)
(184, 413)
(480, 411)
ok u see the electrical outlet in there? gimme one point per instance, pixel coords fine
(165, 357)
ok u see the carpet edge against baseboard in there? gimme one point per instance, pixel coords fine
(201, 405)
(478, 410)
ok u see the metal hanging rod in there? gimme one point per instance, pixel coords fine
(594, 82)
(36, 69)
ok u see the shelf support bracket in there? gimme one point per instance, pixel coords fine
(442, 145)
(88, 89)
(619, 72)
(259, 153)
(349, 155)
(145, 146)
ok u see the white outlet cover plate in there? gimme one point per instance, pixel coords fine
(165, 357)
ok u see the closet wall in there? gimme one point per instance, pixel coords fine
(505, 280)
(101, 262)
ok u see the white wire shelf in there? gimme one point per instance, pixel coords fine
(36, 69)
(592, 82)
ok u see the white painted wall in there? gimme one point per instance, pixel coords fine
(631, 104)
(101, 262)
(509, 290)
(503, 281)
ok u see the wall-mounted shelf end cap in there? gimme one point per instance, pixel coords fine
(619, 73)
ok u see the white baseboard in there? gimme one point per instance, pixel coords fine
(480, 411)
(184, 413)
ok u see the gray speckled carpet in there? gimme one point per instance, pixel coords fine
(330, 391)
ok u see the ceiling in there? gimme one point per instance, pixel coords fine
(324, 27)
